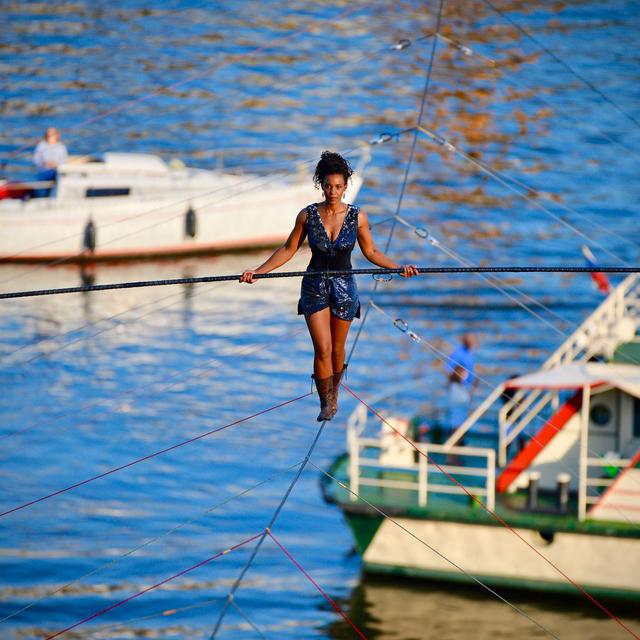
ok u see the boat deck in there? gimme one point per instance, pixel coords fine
(511, 508)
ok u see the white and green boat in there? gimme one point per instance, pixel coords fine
(560, 467)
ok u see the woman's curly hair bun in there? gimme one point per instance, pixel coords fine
(329, 163)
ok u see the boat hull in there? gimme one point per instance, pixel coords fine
(241, 218)
(601, 564)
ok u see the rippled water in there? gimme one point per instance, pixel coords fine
(92, 382)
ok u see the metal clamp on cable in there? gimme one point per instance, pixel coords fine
(421, 232)
(399, 323)
(401, 44)
(383, 138)
(414, 336)
(443, 142)
(462, 48)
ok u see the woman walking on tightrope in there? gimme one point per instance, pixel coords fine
(329, 303)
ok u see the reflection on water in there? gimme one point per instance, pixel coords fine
(400, 609)
(92, 381)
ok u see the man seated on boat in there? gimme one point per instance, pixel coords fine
(49, 154)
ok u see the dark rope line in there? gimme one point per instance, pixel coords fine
(297, 274)
(416, 132)
(231, 594)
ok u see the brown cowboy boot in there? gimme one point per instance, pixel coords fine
(337, 377)
(325, 391)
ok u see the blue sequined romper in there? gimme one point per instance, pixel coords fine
(339, 293)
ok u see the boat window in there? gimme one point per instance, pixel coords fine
(600, 415)
(102, 192)
(636, 417)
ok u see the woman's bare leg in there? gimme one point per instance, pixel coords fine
(339, 330)
(320, 329)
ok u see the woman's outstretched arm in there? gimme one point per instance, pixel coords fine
(282, 254)
(373, 254)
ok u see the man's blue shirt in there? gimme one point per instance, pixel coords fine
(465, 358)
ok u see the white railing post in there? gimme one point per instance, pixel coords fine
(584, 443)
(354, 467)
(423, 477)
(491, 479)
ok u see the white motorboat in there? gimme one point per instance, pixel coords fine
(127, 205)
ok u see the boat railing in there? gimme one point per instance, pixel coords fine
(597, 475)
(615, 320)
(405, 470)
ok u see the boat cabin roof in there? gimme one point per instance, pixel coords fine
(577, 375)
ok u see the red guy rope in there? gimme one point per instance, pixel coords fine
(316, 585)
(155, 586)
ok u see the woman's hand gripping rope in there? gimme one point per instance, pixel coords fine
(247, 276)
(409, 271)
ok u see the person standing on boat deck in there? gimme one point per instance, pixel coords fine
(463, 355)
(49, 154)
(458, 398)
(329, 303)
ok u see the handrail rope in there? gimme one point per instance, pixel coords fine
(153, 455)
(150, 541)
(325, 595)
(299, 274)
(493, 514)
(494, 65)
(176, 377)
(438, 553)
(272, 521)
(194, 76)
(423, 102)
(154, 586)
(403, 326)
(506, 181)
(566, 65)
